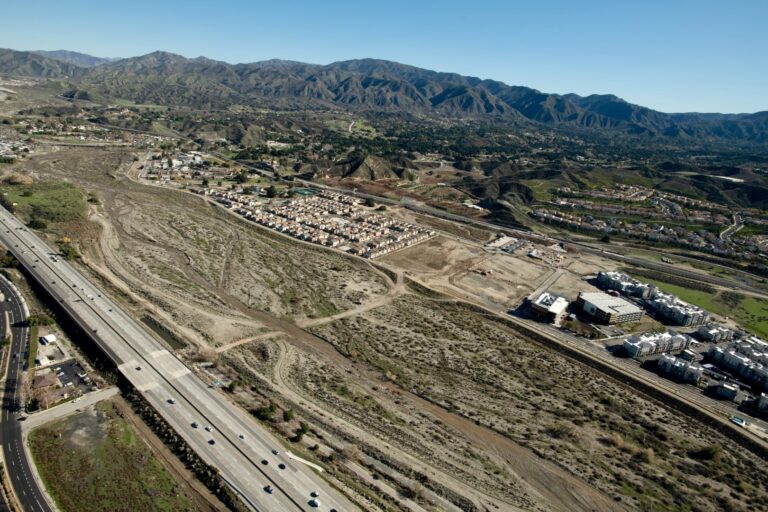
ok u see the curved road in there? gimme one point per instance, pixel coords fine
(19, 468)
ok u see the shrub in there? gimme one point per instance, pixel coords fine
(37, 224)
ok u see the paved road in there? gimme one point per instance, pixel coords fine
(530, 235)
(632, 366)
(733, 228)
(24, 484)
(246, 463)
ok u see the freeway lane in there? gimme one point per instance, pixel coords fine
(236, 445)
(24, 484)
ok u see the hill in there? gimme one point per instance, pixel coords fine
(35, 65)
(78, 59)
(370, 85)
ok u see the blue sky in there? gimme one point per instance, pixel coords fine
(673, 55)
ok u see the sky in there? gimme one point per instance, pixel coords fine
(671, 55)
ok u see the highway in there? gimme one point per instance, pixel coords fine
(236, 445)
(24, 484)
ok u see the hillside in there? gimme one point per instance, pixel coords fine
(370, 85)
(78, 59)
(35, 65)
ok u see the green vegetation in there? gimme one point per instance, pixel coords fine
(750, 312)
(266, 412)
(35, 320)
(8, 260)
(46, 201)
(33, 345)
(164, 332)
(95, 462)
(37, 224)
(69, 252)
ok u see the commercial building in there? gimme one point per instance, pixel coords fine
(549, 307)
(667, 307)
(648, 344)
(680, 369)
(608, 309)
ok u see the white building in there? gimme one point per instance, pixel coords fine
(549, 307)
(680, 368)
(607, 308)
(714, 333)
(647, 344)
(747, 358)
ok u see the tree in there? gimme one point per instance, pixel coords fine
(606, 239)
(205, 182)
(288, 415)
(272, 191)
(241, 177)
(370, 203)
(68, 252)
(37, 224)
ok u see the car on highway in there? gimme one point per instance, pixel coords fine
(211, 441)
(241, 436)
(171, 401)
(281, 465)
(275, 452)
(269, 489)
(264, 461)
(194, 424)
(314, 494)
(208, 428)
(738, 421)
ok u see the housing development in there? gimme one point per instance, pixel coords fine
(330, 219)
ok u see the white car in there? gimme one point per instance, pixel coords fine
(241, 436)
(208, 428)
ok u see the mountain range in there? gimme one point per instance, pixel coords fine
(367, 85)
(78, 59)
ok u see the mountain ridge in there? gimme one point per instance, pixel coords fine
(78, 59)
(374, 85)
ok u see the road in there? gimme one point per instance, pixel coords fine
(529, 235)
(26, 488)
(632, 366)
(236, 445)
(733, 228)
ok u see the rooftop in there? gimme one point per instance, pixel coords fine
(608, 302)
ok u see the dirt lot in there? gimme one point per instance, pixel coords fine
(465, 269)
